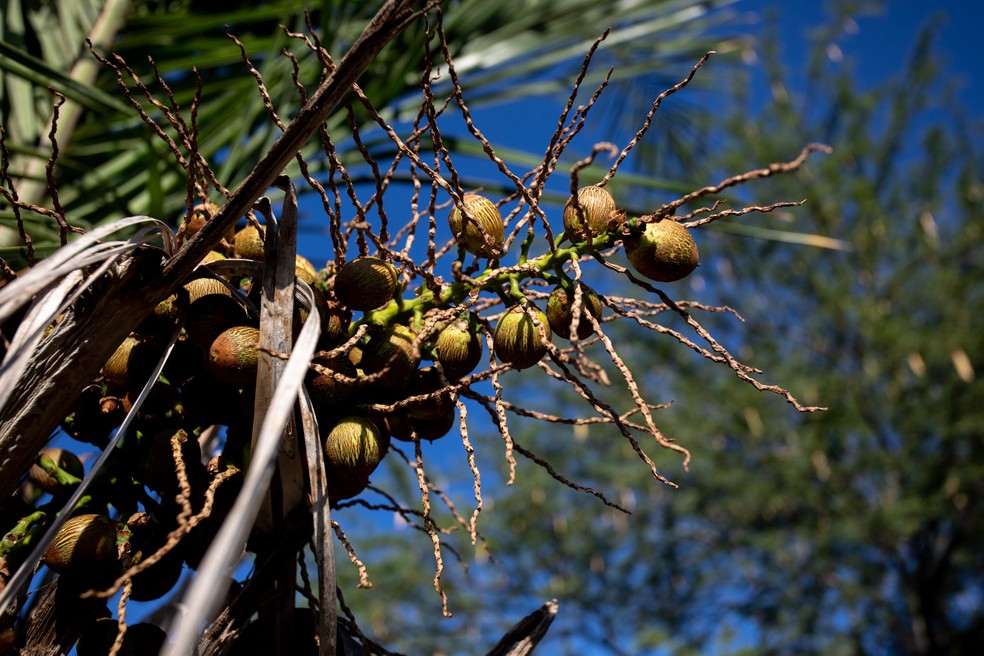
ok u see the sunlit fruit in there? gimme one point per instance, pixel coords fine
(459, 349)
(560, 311)
(248, 243)
(665, 251)
(355, 446)
(234, 354)
(595, 214)
(517, 340)
(482, 233)
(85, 543)
(365, 283)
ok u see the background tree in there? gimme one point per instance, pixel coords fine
(857, 530)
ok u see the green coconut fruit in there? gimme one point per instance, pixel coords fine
(355, 446)
(560, 311)
(517, 341)
(234, 354)
(665, 251)
(481, 234)
(459, 349)
(365, 283)
(594, 215)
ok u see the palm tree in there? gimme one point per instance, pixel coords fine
(170, 115)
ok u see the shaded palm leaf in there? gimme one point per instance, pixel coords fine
(112, 165)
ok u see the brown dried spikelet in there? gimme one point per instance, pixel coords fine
(365, 283)
(595, 214)
(664, 251)
(484, 234)
(517, 341)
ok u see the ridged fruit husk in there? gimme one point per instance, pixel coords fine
(210, 315)
(85, 544)
(484, 234)
(64, 460)
(459, 349)
(234, 354)
(200, 287)
(335, 320)
(304, 270)
(391, 350)
(595, 214)
(560, 311)
(131, 363)
(248, 243)
(517, 341)
(365, 283)
(665, 251)
(355, 446)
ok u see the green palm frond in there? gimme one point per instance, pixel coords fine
(111, 164)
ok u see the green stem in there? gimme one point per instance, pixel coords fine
(490, 280)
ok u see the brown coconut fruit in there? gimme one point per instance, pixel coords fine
(365, 283)
(233, 355)
(84, 549)
(594, 215)
(517, 341)
(483, 233)
(560, 311)
(304, 270)
(664, 251)
(248, 243)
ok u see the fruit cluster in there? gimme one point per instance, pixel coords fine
(388, 367)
